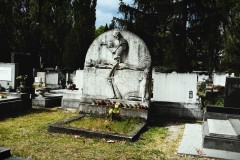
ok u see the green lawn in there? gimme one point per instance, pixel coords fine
(123, 126)
(27, 136)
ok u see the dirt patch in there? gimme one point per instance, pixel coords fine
(171, 142)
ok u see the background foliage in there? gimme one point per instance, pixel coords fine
(187, 35)
(58, 31)
(182, 35)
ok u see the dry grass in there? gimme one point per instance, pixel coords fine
(27, 136)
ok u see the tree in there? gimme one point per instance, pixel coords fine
(184, 35)
(101, 30)
(231, 56)
(81, 35)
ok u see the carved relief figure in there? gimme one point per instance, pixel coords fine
(120, 60)
(119, 49)
(144, 85)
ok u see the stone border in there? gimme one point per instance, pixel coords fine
(59, 127)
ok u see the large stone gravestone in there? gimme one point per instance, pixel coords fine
(117, 66)
(232, 93)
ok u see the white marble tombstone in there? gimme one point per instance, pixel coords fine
(8, 73)
(117, 66)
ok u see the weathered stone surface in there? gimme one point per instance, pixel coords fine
(236, 126)
(42, 76)
(8, 73)
(15, 103)
(52, 78)
(221, 128)
(97, 85)
(192, 144)
(79, 80)
(218, 141)
(175, 87)
(175, 111)
(117, 66)
(138, 53)
(50, 100)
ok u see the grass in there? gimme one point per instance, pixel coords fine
(27, 136)
(123, 126)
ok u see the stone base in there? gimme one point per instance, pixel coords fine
(70, 103)
(4, 153)
(223, 113)
(103, 110)
(175, 111)
(221, 136)
(48, 101)
(140, 113)
(15, 103)
(192, 144)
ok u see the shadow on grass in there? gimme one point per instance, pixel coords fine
(168, 122)
(26, 112)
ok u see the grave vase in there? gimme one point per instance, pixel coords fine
(22, 87)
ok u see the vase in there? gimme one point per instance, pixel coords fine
(22, 86)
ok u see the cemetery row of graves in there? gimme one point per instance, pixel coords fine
(119, 101)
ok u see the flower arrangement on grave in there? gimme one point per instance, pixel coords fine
(114, 110)
(22, 80)
(3, 95)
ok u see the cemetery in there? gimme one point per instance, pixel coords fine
(118, 89)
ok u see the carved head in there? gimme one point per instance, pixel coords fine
(116, 34)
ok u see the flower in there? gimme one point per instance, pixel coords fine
(21, 78)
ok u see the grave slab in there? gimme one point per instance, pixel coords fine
(221, 128)
(50, 100)
(220, 141)
(192, 144)
(236, 126)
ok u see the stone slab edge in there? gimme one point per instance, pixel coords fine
(59, 127)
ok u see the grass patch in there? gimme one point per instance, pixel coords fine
(27, 136)
(123, 126)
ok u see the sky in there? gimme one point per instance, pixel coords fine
(106, 9)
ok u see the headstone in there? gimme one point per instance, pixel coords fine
(232, 93)
(52, 78)
(117, 66)
(8, 73)
(42, 76)
(175, 87)
(236, 125)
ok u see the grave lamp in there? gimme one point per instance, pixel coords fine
(190, 94)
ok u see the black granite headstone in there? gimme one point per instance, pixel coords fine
(232, 93)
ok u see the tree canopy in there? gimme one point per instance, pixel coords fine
(182, 35)
(186, 35)
(58, 31)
